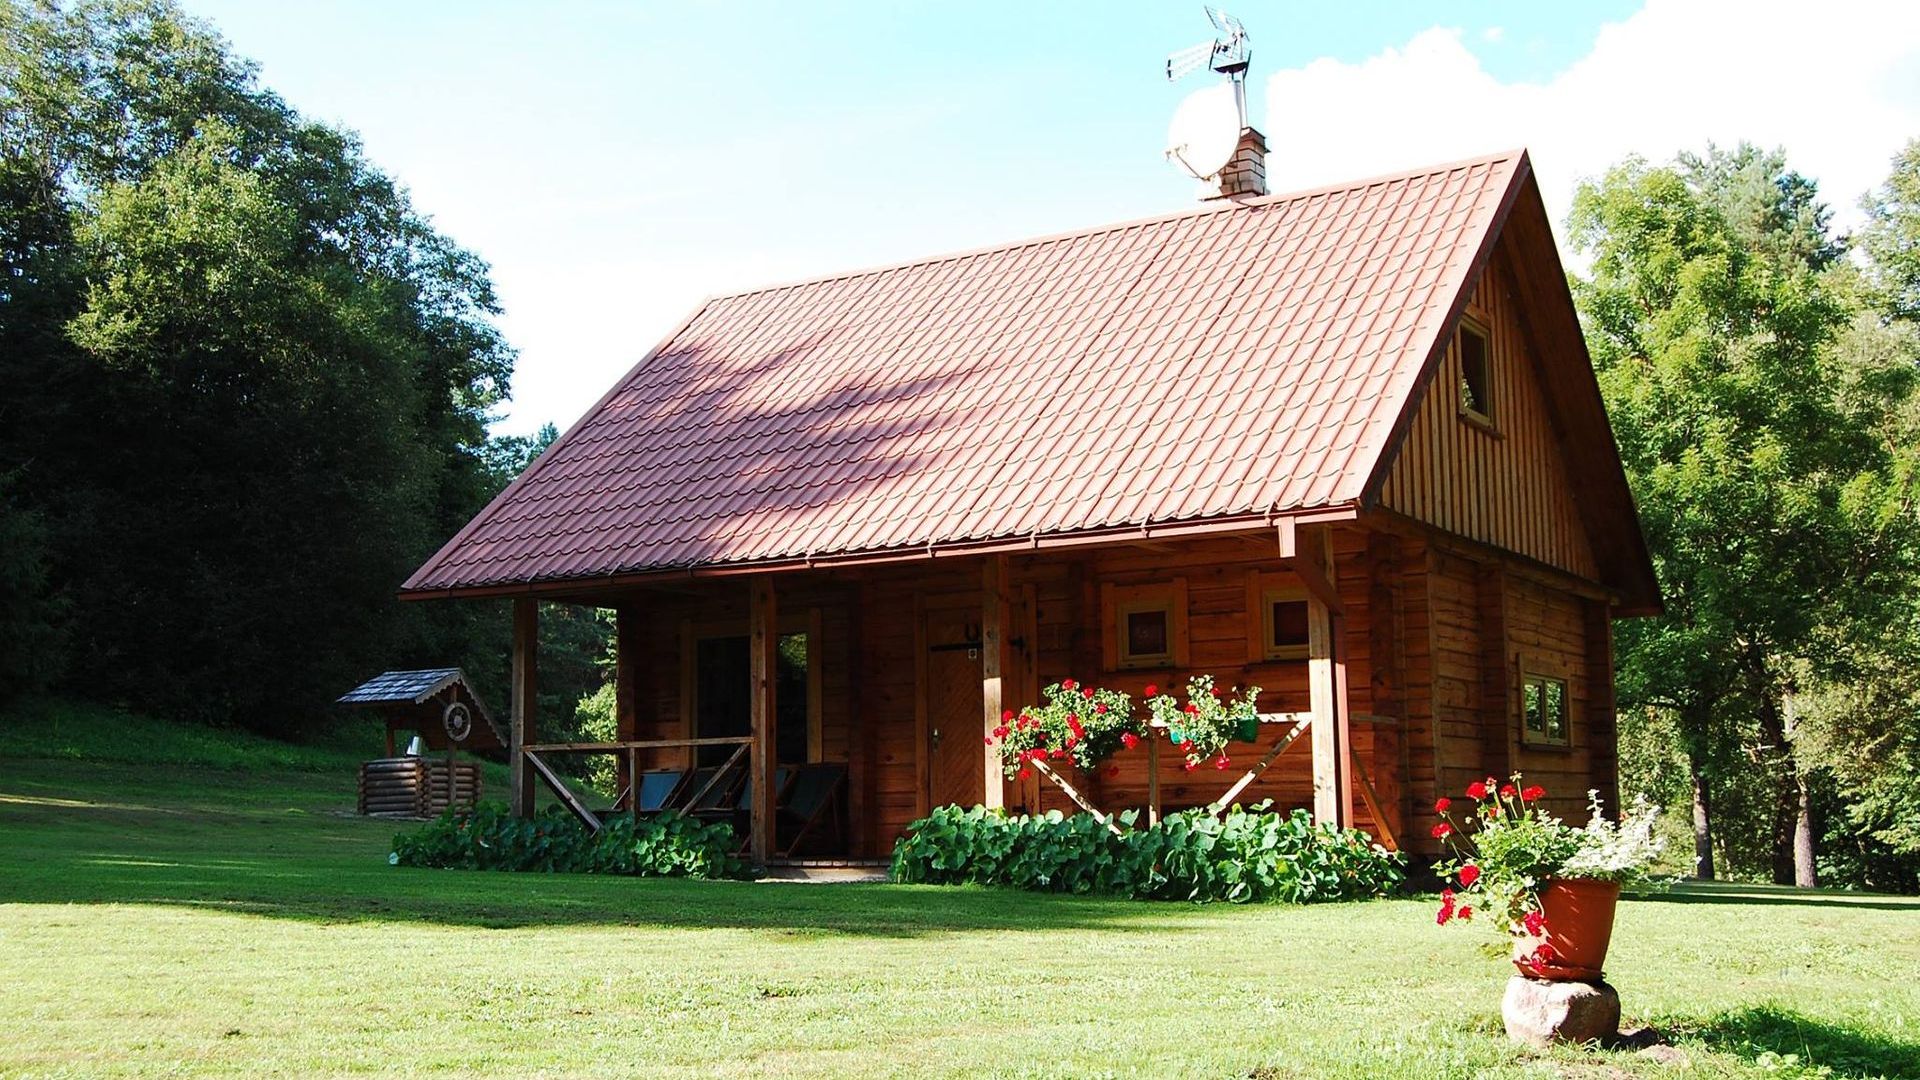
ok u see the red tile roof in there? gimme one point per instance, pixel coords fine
(1228, 363)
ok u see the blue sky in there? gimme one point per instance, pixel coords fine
(615, 162)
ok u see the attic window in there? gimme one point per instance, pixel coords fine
(1476, 374)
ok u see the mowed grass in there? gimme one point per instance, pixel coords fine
(235, 919)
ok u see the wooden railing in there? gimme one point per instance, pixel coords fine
(631, 748)
(1301, 722)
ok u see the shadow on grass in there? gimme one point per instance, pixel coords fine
(1779, 1038)
(1707, 892)
(319, 866)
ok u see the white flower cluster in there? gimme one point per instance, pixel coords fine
(1622, 851)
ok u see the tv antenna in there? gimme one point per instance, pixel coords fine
(1228, 54)
(1206, 128)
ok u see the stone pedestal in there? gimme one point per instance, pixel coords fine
(1540, 1013)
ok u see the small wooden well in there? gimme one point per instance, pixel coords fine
(440, 707)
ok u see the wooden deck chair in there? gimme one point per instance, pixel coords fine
(739, 813)
(708, 789)
(813, 796)
(656, 789)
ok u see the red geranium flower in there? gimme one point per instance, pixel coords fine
(1476, 790)
(1087, 693)
(1068, 684)
(1466, 913)
(1468, 875)
(988, 740)
(1220, 762)
(1152, 690)
(1535, 923)
(1442, 805)
(1506, 791)
(1026, 774)
(1101, 708)
(1006, 714)
(1441, 830)
(1443, 915)
(1192, 709)
(1060, 755)
(1188, 766)
(1532, 793)
(1129, 740)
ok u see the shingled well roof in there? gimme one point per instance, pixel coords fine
(1231, 363)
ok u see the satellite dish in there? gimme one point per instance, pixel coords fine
(1205, 131)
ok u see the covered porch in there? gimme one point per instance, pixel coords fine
(893, 673)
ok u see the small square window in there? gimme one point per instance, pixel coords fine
(1476, 374)
(1147, 633)
(1544, 705)
(1285, 635)
(1146, 625)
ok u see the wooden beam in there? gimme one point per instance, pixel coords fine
(1261, 766)
(636, 744)
(994, 671)
(764, 642)
(1372, 799)
(1327, 690)
(525, 704)
(1153, 778)
(1072, 793)
(561, 791)
(626, 682)
(1296, 546)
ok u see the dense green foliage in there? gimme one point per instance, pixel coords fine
(248, 385)
(1239, 856)
(487, 837)
(1764, 411)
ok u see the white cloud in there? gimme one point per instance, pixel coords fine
(1837, 84)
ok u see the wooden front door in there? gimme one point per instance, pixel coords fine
(954, 730)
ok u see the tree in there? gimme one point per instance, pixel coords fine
(247, 384)
(1712, 321)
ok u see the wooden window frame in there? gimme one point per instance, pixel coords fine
(693, 632)
(1480, 418)
(1263, 591)
(1541, 670)
(1119, 601)
(1268, 598)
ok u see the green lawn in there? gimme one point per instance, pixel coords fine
(169, 917)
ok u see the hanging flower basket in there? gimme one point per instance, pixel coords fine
(1202, 727)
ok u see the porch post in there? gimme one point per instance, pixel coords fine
(993, 671)
(763, 641)
(520, 727)
(1310, 552)
(626, 655)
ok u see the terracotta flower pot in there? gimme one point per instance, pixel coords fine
(1579, 915)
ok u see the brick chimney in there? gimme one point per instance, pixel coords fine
(1244, 174)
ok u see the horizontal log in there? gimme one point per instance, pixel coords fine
(644, 744)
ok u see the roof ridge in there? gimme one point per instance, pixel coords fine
(1216, 207)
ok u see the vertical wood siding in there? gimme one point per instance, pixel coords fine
(1508, 487)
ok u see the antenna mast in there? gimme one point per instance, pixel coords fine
(1229, 55)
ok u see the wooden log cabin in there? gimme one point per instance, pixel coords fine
(1343, 444)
